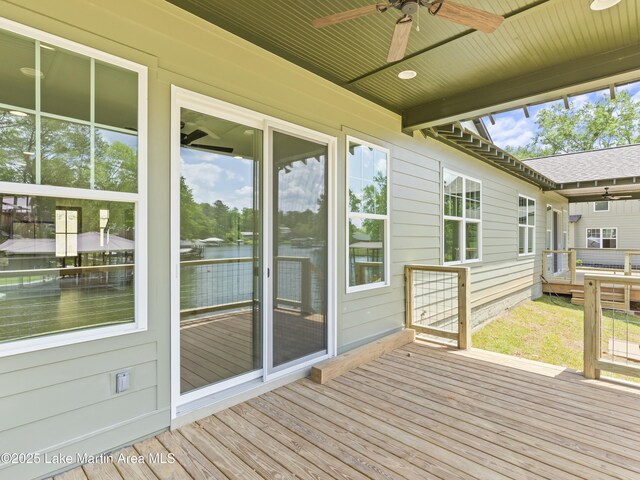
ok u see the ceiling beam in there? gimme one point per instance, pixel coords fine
(581, 75)
(598, 198)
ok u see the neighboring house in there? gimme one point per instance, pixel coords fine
(149, 120)
(600, 225)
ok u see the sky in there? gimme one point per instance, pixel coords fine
(212, 176)
(513, 129)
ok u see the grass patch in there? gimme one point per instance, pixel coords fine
(549, 331)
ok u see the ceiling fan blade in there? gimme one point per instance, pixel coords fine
(213, 148)
(400, 39)
(192, 137)
(348, 15)
(468, 16)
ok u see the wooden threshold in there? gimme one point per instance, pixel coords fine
(334, 367)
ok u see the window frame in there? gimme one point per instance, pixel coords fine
(602, 201)
(386, 219)
(602, 229)
(527, 226)
(463, 220)
(139, 199)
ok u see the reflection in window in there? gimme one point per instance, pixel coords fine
(367, 214)
(462, 216)
(602, 238)
(526, 225)
(84, 120)
(67, 264)
(56, 256)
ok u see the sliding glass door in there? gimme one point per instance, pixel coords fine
(299, 220)
(220, 250)
(251, 246)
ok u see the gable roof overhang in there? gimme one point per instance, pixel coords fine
(473, 144)
(567, 182)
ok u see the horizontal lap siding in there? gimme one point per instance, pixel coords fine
(623, 214)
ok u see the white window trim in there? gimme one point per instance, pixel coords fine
(533, 227)
(586, 237)
(464, 220)
(602, 211)
(139, 200)
(357, 215)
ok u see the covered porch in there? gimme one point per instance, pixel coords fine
(420, 411)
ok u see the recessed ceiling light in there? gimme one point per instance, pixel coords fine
(31, 72)
(248, 132)
(237, 157)
(17, 113)
(407, 74)
(29, 153)
(603, 4)
(47, 47)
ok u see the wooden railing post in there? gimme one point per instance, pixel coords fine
(306, 299)
(572, 265)
(592, 319)
(464, 309)
(544, 262)
(408, 293)
(627, 288)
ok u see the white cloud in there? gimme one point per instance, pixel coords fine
(202, 179)
(302, 186)
(512, 131)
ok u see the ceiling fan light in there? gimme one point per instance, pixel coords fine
(407, 74)
(598, 5)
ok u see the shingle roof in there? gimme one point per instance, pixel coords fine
(616, 162)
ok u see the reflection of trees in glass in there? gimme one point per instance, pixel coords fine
(65, 155)
(374, 200)
(17, 136)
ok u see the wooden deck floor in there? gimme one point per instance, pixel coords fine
(420, 412)
(223, 346)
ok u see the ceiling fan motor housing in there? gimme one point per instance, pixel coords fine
(408, 7)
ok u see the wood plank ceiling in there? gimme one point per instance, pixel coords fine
(558, 44)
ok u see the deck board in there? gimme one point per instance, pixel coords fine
(419, 412)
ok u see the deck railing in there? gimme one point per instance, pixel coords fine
(558, 266)
(562, 266)
(612, 338)
(226, 284)
(438, 302)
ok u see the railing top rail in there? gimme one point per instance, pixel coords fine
(555, 251)
(40, 271)
(633, 251)
(437, 268)
(613, 279)
(211, 261)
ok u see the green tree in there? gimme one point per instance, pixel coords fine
(603, 123)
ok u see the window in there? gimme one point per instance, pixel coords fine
(526, 225)
(462, 218)
(602, 238)
(72, 168)
(601, 206)
(367, 216)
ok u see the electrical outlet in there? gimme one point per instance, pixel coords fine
(122, 382)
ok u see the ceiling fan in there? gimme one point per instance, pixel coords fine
(608, 196)
(468, 16)
(187, 139)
